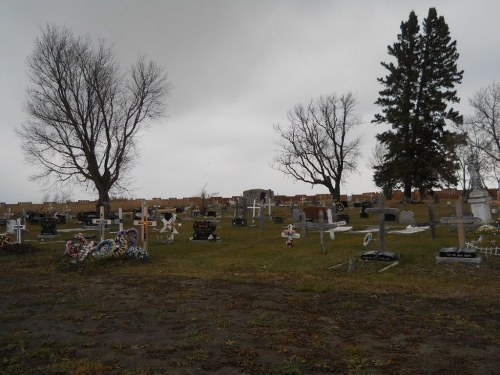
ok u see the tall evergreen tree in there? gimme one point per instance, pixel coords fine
(418, 88)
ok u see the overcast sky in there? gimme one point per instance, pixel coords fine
(236, 68)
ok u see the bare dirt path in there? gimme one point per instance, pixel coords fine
(89, 323)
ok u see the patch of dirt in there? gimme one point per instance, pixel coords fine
(127, 324)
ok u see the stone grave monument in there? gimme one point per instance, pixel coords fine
(479, 198)
(204, 231)
(48, 224)
(406, 217)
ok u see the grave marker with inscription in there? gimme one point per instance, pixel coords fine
(459, 254)
(382, 210)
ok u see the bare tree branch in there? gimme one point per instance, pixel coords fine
(316, 147)
(83, 113)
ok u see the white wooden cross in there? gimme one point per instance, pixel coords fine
(120, 219)
(18, 227)
(102, 222)
(145, 224)
(254, 208)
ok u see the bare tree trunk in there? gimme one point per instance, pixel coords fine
(104, 200)
(407, 192)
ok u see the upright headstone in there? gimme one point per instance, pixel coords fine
(479, 197)
(406, 217)
(48, 224)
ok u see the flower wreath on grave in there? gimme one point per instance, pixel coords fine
(122, 246)
(79, 248)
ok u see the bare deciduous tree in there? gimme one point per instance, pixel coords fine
(84, 114)
(485, 120)
(317, 146)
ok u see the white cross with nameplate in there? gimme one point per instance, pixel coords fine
(102, 222)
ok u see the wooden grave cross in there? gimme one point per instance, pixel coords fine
(459, 220)
(18, 227)
(102, 222)
(145, 224)
(382, 210)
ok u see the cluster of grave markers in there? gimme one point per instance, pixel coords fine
(205, 230)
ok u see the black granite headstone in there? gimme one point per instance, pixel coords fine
(204, 230)
(48, 226)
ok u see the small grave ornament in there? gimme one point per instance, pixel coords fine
(290, 235)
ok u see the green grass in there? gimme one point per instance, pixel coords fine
(247, 254)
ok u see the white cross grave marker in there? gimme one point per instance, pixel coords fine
(18, 227)
(102, 222)
(120, 219)
(170, 225)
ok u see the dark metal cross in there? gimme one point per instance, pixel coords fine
(382, 211)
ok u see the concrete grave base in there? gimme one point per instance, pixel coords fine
(48, 236)
(448, 260)
(460, 257)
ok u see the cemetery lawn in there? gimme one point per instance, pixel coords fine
(249, 305)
